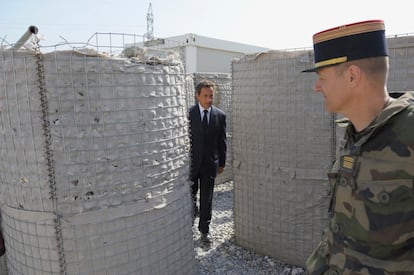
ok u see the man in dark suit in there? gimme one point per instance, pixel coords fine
(208, 152)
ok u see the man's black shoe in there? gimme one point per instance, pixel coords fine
(206, 238)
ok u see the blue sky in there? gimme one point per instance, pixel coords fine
(266, 23)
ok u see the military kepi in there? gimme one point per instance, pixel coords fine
(349, 42)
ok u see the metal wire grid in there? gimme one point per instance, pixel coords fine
(401, 75)
(20, 112)
(30, 242)
(145, 242)
(118, 136)
(115, 128)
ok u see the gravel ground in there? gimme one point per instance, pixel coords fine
(224, 256)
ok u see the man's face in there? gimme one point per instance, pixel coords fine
(334, 88)
(205, 98)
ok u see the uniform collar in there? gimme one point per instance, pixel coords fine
(391, 109)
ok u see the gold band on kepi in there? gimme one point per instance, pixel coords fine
(349, 42)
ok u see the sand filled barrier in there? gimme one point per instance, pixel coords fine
(94, 167)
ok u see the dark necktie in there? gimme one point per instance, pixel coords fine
(204, 123)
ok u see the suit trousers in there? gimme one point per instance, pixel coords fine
(206, 186)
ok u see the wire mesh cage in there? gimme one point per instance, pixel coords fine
(282, 148)
(95, 158)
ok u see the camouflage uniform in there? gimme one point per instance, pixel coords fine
(371, 215)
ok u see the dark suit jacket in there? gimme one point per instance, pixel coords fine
(210, 153)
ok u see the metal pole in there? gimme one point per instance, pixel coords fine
(31, 30)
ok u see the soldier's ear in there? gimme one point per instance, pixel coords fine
(354, 75)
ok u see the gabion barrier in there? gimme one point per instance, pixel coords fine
(94, 169)
(283, 143)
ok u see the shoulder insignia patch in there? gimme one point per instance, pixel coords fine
(348, 162)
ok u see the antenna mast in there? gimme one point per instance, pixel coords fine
(150, 24)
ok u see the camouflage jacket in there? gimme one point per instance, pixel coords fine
(371, 215)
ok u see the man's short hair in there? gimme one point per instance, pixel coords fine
(204, 84)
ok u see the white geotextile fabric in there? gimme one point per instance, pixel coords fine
(119, 148)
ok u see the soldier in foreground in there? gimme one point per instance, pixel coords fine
(371, 212)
